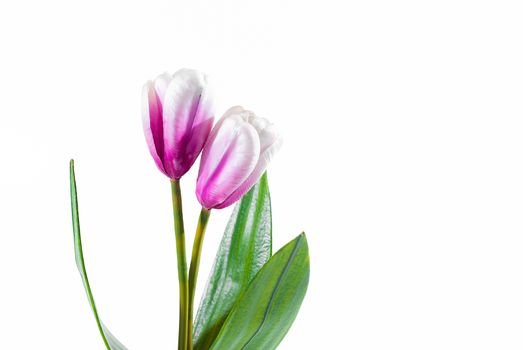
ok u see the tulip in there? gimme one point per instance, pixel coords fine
(177, 116)
(235, 156)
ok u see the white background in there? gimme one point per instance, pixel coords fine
(402, 161)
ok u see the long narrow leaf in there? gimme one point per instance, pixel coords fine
(111, 343)
(265, 312)
(246, 246)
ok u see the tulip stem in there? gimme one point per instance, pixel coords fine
(182, 264)
(195, 264)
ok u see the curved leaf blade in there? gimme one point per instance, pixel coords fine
(265, 312)
(110, 341)
(246, 246)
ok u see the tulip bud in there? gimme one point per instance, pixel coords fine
(234, 158)
(177, 116)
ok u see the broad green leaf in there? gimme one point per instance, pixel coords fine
(111, 343)
(265, 312)
(246, 246)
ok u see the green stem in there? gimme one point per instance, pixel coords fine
(195, 264)
(182, 264)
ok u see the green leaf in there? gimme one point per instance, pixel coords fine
(111, 343)
(246, 246)
(265, 312)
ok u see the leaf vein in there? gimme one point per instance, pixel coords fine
(276, 287)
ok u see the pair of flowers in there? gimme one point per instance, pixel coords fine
(178, 113)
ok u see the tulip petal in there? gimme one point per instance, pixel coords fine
(152, 123)
(231, 156)
(161, 83)
(214, 132)
(187, 118)
(270, 143)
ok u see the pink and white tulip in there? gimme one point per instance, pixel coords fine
(177, 116)
(234, 158)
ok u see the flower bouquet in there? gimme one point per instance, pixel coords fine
(252, 296)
